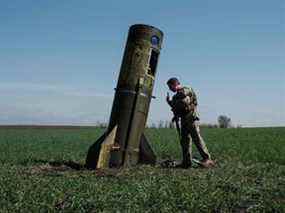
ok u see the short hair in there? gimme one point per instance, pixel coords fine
(173, 81)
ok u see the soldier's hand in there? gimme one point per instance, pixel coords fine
(192, 107)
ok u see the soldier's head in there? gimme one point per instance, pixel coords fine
(173, 84)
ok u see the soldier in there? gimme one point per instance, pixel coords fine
(184, 106)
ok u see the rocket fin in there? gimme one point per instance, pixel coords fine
(107, 146)
(146, 154)
(93, 153)
(99, 153)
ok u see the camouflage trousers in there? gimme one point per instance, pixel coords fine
(190, 131)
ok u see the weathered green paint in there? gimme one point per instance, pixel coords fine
(133, 96)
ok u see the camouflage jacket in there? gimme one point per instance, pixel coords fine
(184, 103)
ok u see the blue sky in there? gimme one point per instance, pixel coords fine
(59, 60)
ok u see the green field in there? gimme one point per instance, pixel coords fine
(249, 177)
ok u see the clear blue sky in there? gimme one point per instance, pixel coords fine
(59, 60)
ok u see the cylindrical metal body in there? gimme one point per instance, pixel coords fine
(134, 92)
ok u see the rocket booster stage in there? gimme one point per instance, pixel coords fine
(124, 142)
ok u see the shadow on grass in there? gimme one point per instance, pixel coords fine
(61, 167)
(53, 168)
(57, 163)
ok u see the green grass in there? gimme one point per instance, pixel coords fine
(250, 174)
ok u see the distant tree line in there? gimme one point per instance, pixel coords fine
(223, 121)
(102, 125)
